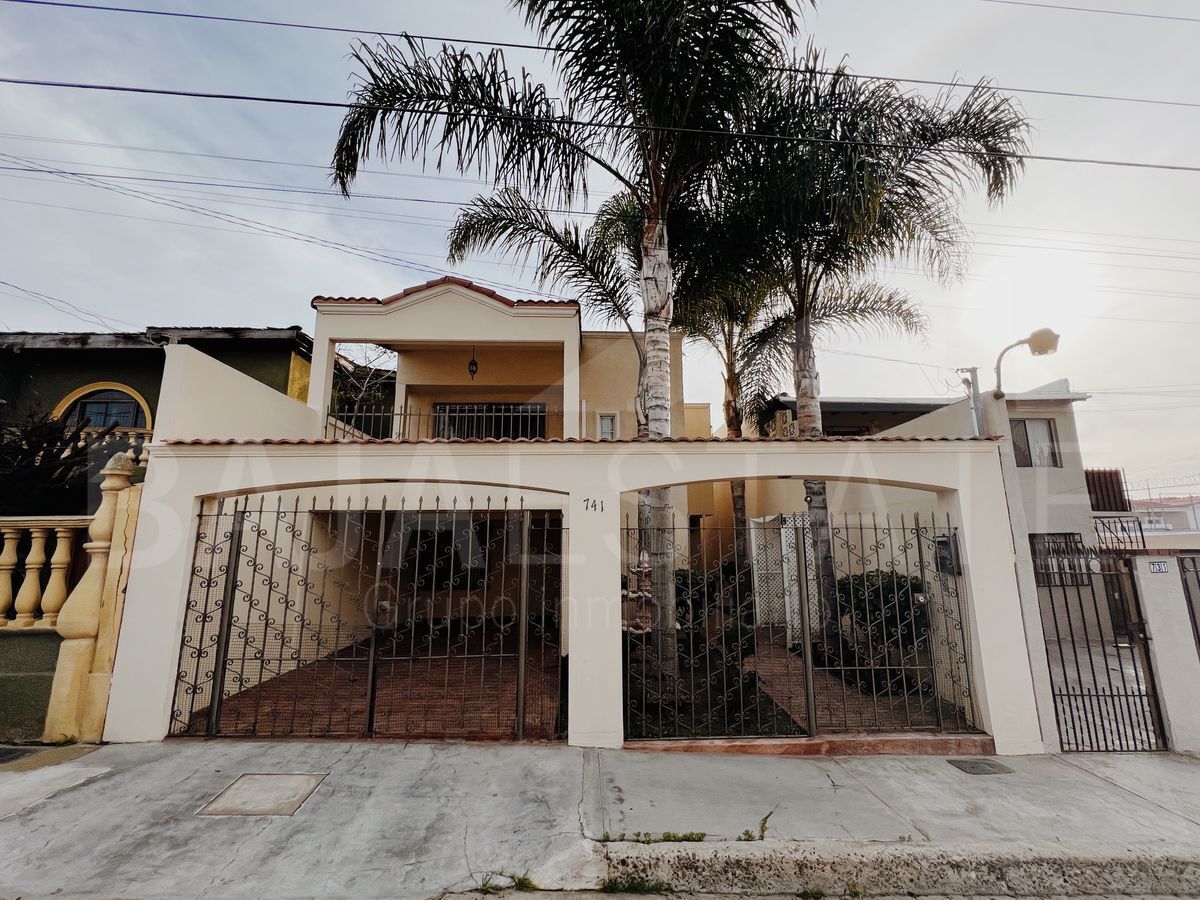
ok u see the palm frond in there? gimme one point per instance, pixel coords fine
(868, 308)
(563, 256)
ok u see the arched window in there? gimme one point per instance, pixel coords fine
(107, 407)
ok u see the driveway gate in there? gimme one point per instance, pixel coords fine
(790, 627)
(324, 620)
(1096, 645)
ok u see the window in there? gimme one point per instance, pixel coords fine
(504, 421)
(109, 407)
(1035, 443)
(1059, 560)
(608, 427)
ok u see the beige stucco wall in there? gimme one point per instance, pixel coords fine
(608, 376)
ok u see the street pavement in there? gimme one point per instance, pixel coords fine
(376, 819)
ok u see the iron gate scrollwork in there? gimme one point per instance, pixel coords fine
(771, 640)
(319, 620)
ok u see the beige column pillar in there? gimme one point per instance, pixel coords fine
(29, 597)
(570, 389)
(1000, 658)
(320, 382)
(594, 693)
(79, 619)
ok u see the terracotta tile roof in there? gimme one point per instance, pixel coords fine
(320, 442)
(436, 282)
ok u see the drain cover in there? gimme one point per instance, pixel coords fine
(8, 754)
(980, 766)
(263, 795)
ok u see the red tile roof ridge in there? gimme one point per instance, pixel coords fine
(864, 439)
(437, 282)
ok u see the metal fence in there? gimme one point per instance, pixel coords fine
(786, 626)
(318, 619)
(1096, 645)
(445, 421)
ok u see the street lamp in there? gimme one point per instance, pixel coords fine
(1041, 343)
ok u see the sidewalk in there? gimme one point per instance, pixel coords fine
(419, 820)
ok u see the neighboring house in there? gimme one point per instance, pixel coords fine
(1170, 522)
(1064, 502)
(115, 378)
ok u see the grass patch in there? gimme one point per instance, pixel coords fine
(523, 883)
(634, 884)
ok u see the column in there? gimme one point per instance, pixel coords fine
(79, 620)
(320, 383)
(595, 712)
(570, 389)
(1174, 655)
(1001, 673)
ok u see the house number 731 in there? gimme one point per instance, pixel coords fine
(590, 505)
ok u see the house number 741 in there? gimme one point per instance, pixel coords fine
(590, 505)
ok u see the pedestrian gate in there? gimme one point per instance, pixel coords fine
(1096, 646)
(340, 621)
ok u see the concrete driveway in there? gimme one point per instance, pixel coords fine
(418, 820)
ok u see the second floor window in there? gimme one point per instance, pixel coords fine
(100, 409)
(1035, 443)
(608, 427)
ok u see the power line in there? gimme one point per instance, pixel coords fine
(1090, 9)
(517, 45)
(478, 181)
(254, 225)
(65, 306)
(272, 187)
(616, 126)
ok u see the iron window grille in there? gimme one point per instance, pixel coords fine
(502, 421)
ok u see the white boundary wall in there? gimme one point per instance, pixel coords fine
(590, 479)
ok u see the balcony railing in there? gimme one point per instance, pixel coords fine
(1119, 533)
(39, 565)
(446, 421)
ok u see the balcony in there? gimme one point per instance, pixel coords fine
(498, 421)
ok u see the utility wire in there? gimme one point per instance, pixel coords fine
(1092, 9)
(516, 45)
(616, 126)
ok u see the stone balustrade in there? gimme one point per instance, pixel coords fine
(37, 557)
(134, 440)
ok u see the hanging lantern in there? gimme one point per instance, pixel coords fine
(473, 365)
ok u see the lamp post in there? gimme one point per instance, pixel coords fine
(1042, 342)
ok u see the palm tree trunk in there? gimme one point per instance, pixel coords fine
(657, 286)
(737, 487)
(808, 425)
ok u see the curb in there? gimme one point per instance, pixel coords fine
(859, 869)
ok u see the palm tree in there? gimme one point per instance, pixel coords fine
(852, 172)
(647, 91)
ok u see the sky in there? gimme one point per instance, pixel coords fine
(1107, 256)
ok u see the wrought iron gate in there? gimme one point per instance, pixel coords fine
(363, 620)
(1096, 645)
(784, 627)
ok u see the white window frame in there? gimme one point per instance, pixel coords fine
(616, 417)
